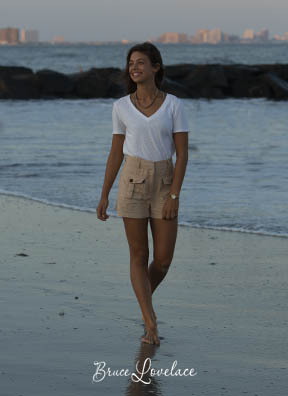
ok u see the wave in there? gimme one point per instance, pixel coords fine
(181, 223)
(236, 229)
(65, 55)
(38, 164)
(45, 201)
(29, 175)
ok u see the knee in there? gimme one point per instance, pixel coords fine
(162, 263)
(139, 254)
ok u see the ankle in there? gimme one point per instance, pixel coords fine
(151, 324)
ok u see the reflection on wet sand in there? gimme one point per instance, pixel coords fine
(141, 383)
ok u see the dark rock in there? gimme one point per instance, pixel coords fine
(17, 83)
(52, 83)
(179, 71)
(175, 88)
(197, 77)
(279, 69)
(10, 71)
(217, 77)
(205, 81)
(209, 92)
(260, 89)
(98, 83)
(240, 88)
(22, 86)
(277, 85)
(211, 81)
(240, 72)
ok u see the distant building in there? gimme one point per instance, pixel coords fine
(3, 36)
(202, 35)
(9, 35)
(230, 38)
(214, 36)
(248, 34)
(58, 39)
(263, 34)
(173, 37)
(29, 36)
(278, 37)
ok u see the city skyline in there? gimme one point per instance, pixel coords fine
(13, 35)
(126, 19)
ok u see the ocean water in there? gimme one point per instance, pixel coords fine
(70, 58)
(237, 175)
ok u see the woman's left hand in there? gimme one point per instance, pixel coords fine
(170, 209)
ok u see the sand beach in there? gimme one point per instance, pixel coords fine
(67, 302)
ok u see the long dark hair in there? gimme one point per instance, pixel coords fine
(154, 55)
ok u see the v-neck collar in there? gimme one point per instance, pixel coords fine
(152, 115)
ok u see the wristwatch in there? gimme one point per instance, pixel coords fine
(173, 196)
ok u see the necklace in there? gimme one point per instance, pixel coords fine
(146, 107)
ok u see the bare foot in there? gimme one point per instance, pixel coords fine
(151, 336)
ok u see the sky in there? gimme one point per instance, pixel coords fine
(134, 20)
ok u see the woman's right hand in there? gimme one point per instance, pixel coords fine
(101, 209)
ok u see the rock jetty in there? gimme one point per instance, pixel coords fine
(210, 81)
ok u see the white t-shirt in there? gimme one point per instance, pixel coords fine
(151, 137)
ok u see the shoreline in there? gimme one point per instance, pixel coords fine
(66, 302)
(90, 210)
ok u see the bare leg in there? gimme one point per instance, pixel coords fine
(164, 234)
(137, 236)
(164, 239)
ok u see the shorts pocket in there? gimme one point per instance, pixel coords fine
(167, 179)
(166, 182)
(135, 185)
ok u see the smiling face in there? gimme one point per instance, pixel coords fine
(140, 68)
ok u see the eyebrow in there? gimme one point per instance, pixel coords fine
(137, 59)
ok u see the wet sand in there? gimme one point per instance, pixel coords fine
(67, 301)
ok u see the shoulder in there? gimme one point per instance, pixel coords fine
(175, 102)
(175, 99)
(172, 97)
(121, 101)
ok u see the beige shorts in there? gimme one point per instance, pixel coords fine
(144, 187)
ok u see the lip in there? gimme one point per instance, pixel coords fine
(132, 74)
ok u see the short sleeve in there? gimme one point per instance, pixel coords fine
(180, 121)
(118, 125)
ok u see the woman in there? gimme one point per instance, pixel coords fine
(149, 125)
